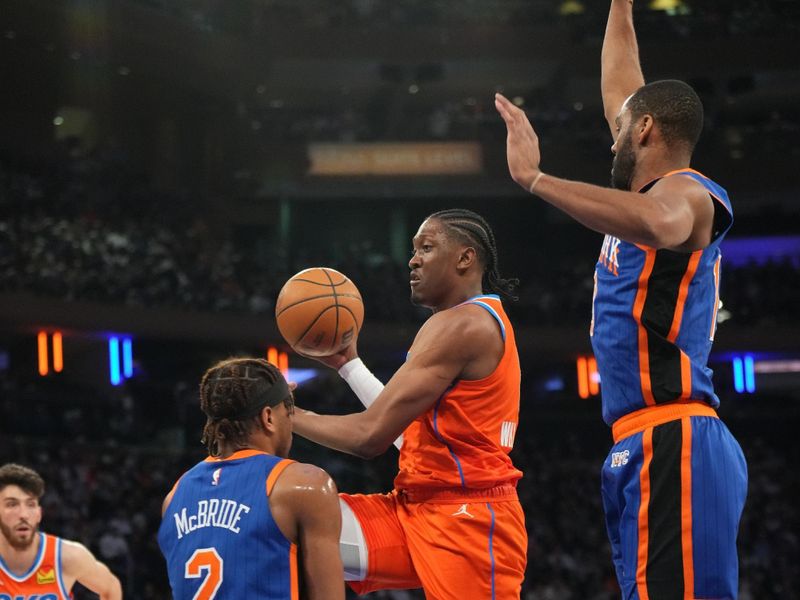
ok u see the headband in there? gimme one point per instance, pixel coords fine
(273, 396)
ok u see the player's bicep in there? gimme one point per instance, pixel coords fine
(434, 362)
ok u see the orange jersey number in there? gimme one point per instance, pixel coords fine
(205, 559)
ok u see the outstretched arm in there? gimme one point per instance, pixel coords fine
(621, 73)
(675, 213)
(79, 563)
(446, 344)
(350, 367)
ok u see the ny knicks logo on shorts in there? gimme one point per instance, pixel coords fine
(619, 459)
(609, 254)
(31, 597)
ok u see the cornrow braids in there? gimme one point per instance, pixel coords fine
(470, 228)
(229, 391)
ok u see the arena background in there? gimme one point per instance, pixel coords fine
(165, 165)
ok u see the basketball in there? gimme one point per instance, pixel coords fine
(319, 311)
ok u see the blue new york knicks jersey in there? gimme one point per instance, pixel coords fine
(654, 317)
(218, 535)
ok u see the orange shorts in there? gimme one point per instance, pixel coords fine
(453, 544)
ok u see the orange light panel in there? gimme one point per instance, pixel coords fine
(58, 352)
(272, 356)
(594, 377)
(283, 363)
(583, 377)
(44, 368)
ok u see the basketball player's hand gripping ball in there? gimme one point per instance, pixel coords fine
(319, 312)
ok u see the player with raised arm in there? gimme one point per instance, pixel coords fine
(34, 564)
(675, 481)
(453, 524)
(247, 522)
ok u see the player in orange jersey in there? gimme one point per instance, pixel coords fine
(34, 564)
(453, 524)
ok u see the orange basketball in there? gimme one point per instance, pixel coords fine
(319, 311)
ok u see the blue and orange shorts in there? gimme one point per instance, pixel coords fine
(674, 486)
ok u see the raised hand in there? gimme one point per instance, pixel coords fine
(522, 143)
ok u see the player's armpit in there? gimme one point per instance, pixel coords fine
(79, 563)
(307, 496)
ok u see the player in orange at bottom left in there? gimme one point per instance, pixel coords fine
(34, 564)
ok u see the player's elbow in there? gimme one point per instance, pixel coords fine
(372, 444)
(371, 449)
(112, 590)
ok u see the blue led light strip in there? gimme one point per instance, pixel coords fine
(749, 374)
(127, 358)
(738, 375)
(113, 360)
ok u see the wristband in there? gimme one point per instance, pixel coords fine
(361, 380)
(535, 181)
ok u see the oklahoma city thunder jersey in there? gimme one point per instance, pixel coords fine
(654, 317)
(464, 440)
(218, 535)
(43, 581)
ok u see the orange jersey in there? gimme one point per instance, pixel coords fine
(463, 441)
(43, 581)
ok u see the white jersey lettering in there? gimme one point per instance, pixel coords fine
(224, 514)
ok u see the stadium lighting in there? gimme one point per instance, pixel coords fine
(671, 7)
(572, 7)
(41, 341)
(594, 376)
(588, 377)
(127, 358)
(738, 375)
(749, 375)
(113, 361)
(58, 352)
(279, 359)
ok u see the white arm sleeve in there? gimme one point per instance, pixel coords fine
(364, 384)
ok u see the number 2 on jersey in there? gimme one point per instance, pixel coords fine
(205, 559)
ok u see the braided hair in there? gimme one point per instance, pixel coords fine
(229, 389)
(470, 228)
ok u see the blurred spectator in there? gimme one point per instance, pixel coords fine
(55, 244)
